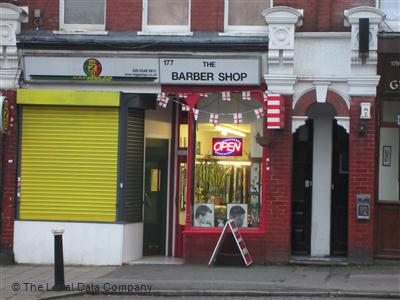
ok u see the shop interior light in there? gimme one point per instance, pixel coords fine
(234, 162)
(225, 130)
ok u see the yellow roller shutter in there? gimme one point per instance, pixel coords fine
(69, 163)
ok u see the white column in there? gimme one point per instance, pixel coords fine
(321, 188)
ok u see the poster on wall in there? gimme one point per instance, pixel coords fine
(4, 114)
(386, 156)
(237, 212)
(203, 215)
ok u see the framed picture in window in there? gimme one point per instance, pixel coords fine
(203, 215)
(386, 156)
(238, 212)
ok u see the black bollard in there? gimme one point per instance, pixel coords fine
(59, 281)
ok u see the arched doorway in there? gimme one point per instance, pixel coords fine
(320, 184)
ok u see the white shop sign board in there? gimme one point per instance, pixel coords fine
(91, 69)
(167, 71)
(208, 71)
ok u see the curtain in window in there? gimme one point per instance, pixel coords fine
(391, 8)
(84, 11)
(246, 12)
(168, 12)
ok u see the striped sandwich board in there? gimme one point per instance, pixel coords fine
(231, 226)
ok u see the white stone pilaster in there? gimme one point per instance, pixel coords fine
(363, 79)
(11, 17)
(282, 22)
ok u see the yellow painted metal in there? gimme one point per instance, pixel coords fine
(67, 97)
(69, 163)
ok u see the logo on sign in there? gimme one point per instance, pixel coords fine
(5, 114)
(227, 147)
(92, 67)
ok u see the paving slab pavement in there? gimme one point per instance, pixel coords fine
(373, 281)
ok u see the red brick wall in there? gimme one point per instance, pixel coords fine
(124, 15)
(198, 248)
(323, 15)
(50, 13)
(207, 15)
(279, 191)
(362, 172)
(9, 177)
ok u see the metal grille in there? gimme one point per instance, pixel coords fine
(134, 166)
(69, 163)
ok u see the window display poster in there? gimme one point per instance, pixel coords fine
(255, 178)
(203, 215)
(237, 212)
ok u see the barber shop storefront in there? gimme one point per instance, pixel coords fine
(387, 231)
(219, 156)
(140, 156)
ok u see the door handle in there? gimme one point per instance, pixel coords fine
(147, 200)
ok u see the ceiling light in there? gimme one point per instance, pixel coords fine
(226, 130)
(234, 162)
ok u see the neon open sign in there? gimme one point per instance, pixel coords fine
(227, 147)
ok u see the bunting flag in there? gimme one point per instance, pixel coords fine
(246, 95)
(226, 96)
(195, 113)
(162, 100)
(161, 96)
(237, 118)
(214, 118)
(265, 95)
(182, 95)
(185, 107)
(259, 113)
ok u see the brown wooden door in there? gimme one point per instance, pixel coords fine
(339, 195)
(302, 189)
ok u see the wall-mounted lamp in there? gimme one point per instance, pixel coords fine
(262, 140)
(365, 115)
(361, 128)
(37, 18)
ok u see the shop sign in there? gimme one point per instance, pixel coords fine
(227, 147)
(210, 71)
(5, 114)
(390, 82)
(92, 69)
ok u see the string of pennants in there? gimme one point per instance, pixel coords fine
(273, 107)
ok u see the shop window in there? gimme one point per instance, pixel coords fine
(389, 152)
(166, 17)
(82, 15)
(245, 16)
(227, 179)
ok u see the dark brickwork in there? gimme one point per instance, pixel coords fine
(9, 176)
